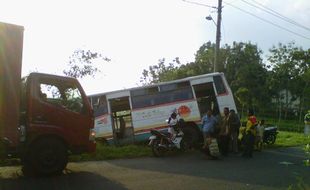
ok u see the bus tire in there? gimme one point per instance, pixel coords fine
(191, 137)
(48, 157)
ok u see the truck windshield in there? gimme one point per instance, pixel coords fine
(67, 96)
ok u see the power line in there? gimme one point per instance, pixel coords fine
(265, 20)
(200, 4)
(274, 13)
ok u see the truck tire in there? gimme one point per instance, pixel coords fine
(48, 156)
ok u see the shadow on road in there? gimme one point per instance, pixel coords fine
(68, 181)
(265, 168)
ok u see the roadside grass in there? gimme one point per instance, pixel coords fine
(108, 152)
(289, 139)
(286, 125)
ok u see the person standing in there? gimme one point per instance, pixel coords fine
(208, 125)
(234, 125)
(260, 135)
(224, 133)
(249, 135)
(307, 123)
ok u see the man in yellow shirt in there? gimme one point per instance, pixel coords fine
(249, 135)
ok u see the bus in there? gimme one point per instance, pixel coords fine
(128, 115)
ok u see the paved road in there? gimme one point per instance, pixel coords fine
(270, 169)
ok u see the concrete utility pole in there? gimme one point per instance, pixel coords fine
(218, 35)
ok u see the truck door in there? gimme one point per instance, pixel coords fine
(59, 107)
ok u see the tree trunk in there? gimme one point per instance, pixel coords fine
(286, 104)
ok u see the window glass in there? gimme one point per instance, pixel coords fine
(174, 86)
(50, 93)
(219, 84)
(66, 96)
(168, 93)
(144, 91)
(100, 106)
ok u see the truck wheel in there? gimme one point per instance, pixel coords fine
(49, 157)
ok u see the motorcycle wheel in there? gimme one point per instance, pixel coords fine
(271, 139)
(158, 151)
(184, 145)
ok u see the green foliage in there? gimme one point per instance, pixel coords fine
(161, 72)
(307, 151)
(290, 74)
(244, 69)
(81, 63)
(280, 88)
(106, 152)
(289, 139)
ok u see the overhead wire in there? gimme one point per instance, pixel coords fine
(200, 4)
(267, 21)
(275, 13)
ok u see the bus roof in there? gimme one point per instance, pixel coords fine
(160, 83)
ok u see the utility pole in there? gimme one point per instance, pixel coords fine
(218, 35)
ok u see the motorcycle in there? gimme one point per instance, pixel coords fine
(161, 142)
(270, 135)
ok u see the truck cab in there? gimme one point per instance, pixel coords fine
(57, 106)
(56, 119)
(43, 117)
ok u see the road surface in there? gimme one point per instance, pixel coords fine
(270, 169)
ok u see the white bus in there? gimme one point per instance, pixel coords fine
(127, 115)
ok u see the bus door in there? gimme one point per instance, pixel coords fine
(121, 120)
(206, 99)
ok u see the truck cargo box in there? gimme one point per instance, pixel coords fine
(11, 45)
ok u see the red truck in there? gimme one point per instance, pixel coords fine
(43, 118)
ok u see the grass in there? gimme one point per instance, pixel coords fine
(289, 139)
(107, 152)
(287, 125)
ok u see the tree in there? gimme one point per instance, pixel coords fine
(242, 96)
(244, 70)
(241, 63)
(160, 72)
(175, 70)
(290, 67)
(81, 63)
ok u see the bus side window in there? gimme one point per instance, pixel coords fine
(101, 107)
(219, 84)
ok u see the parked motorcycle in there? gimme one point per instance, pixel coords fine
(161, 142)
(270, 135)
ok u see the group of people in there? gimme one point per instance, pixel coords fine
(223, 132)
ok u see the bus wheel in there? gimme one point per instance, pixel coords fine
(191, 136)
(49, 157)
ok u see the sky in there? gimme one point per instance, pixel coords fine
(137, 33)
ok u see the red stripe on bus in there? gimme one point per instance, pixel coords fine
(224, 94)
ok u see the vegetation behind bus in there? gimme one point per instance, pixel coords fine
(256, 84)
